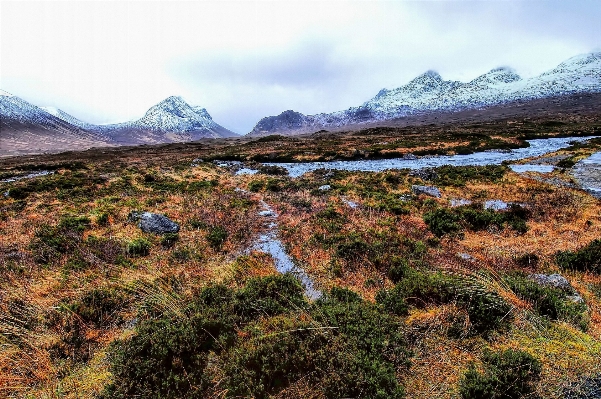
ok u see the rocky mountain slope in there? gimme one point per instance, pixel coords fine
(429, 93)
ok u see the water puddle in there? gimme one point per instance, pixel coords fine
(271, 244)
(532, 168)
(588, 174)
(537, 148)
(29, 176)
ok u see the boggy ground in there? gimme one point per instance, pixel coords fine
(416, 292)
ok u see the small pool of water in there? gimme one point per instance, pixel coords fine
(532, 168)
(28, 176)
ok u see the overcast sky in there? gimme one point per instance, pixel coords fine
(110, 61)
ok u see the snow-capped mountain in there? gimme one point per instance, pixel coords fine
(430, 93)
(26, 128)
(174, 115)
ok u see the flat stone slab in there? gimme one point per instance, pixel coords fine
(430, 191)
(158, 224)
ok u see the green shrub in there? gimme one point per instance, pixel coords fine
(472, 217)
(165, 359)
(459, 175)
(263, 338)
(75, 223)
(507, 375)
(442, 221)
(99, 306)
(168, 240)
(587, 258)
(273, 170)
(216, 236)
(549, 302)
(102, 219)
(487, 311)
(355, 353)
(269, 296)
(256, 185)
(399, 268)
(273, 185)
(138, 247)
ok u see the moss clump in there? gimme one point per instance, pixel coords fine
(138, 247)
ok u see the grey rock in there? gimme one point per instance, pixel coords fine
(134, 216)
(426, 174)
(405, 197)
(325, 187)
(350, 204)
(552, 280)
(496, 205)
(575, 298)
(430, 191)
(465, 256)
(586, 388)
(158, 224)
(267, 213)
(460, 202)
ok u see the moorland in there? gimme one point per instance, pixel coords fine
(421, 296)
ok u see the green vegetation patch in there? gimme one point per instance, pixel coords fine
(508, 374)
(585, 259)
(263, 338)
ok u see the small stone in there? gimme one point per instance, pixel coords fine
(325, 187)
(465, 256)
(575, 298)
(158, 224)
(430, 191)
(267, 213)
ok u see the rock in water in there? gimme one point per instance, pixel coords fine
(426, 190)
(158, 224)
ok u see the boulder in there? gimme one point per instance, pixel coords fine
(158, 224)
(325, 187)
(430, 191)
(552, 280)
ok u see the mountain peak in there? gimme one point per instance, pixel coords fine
(429, 76)
(497, 75)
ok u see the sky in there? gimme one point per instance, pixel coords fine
(109, 61)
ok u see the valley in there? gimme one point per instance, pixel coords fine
(419, 278)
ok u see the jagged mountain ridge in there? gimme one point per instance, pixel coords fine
(430, 93)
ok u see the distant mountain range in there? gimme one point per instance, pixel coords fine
(429, 93)
(26, 128)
